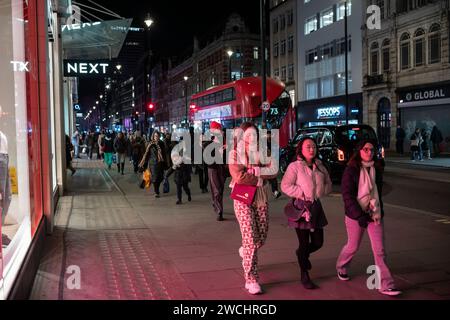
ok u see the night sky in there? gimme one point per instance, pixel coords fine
(175, 24)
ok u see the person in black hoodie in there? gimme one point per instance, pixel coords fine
(361, 189)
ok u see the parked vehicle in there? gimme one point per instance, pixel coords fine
(336, 145)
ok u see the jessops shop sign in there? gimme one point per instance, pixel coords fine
(87, 68)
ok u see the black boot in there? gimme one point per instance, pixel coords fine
(122, 167)
(306, 281)
(142, 185)
(118, 167)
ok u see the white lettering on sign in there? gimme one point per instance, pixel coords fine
(77, 26)
(430, 94)
(328, 112)
(20, 66)
(87, 68)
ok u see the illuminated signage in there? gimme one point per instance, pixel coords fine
(77, 107)
(327, 113)
(424, 94)
(79, 68)
(214, 113)
(78, 26)
(20, 66)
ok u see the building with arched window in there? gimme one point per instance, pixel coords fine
(406, 69)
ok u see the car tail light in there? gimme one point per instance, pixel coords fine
(341, 155)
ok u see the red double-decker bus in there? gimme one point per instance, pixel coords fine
(239, 101)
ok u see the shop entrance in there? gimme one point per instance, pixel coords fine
(384, 122)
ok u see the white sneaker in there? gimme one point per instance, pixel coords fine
(253, 287)
(391, 292)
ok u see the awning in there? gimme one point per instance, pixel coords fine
(96, 40)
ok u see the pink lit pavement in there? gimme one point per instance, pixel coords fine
(128, 245)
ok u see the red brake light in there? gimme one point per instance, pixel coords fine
(341, 155)
(151, 106)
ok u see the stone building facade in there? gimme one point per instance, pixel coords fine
(406, 69)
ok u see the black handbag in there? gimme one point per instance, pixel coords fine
(295, 211)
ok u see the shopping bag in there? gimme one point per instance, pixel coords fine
(147, 178)
(114, 158)
(166, 186)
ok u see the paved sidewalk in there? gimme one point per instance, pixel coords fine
(130, 245)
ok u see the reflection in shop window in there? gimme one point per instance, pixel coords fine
(14, 170)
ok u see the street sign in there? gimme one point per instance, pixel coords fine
(265, 106)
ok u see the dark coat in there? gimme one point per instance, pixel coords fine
(120, 145)
(109, 144)
(349, 189)
(182, 174)
(151, 158)
(138, 147)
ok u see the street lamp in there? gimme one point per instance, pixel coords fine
(148, 20)
(230, 54)
(185, 97)
(143, 109)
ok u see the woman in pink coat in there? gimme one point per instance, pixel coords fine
(307, 180)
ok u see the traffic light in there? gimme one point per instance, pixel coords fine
(150, 109)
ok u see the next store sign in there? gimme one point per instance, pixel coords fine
(79, 68)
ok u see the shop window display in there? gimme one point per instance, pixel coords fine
(18, 83)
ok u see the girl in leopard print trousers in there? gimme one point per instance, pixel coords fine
(253, 219)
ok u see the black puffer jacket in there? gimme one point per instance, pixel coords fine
(349, 189)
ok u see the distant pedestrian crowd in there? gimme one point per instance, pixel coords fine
(422, 143)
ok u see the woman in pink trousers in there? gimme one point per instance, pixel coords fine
(361, 190)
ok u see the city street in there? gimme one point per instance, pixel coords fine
(129, 245)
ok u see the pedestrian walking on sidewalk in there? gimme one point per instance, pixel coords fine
(155, 156)
(400, 137)
(101, 145)
(306, 181)
(69, 149)
(121, 147)
(217, 171)
(246, 169)
(273, 182)
(182, 168)
(202, 170)
(416, 148)
(426, 153)
(436, 138)
(137, 149)
(361, 189)
(76, 143)
(108, 150)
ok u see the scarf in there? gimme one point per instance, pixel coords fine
(159, 152)
(368, 197)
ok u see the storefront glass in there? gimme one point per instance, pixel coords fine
(20, 175)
